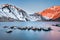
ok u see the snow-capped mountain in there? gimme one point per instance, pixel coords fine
(13, 12)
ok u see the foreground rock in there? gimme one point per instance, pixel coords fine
(12, 28)
(9, 31)
(48, 29)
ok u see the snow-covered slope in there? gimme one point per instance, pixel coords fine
(13, 12)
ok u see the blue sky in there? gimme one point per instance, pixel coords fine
(32, 6)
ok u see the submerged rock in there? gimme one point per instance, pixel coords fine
(57, 25)
(5, 26)
(48, 29)
(58, 30)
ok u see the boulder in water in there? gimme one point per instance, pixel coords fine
(9, 31)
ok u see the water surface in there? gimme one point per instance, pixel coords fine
(30, 35)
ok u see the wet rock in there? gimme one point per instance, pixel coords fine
(34, 29)
(49, 29)
(20, 28)
(39, 29)
(58, 25)
(24, 28)
(13, 27)
(30, 28)
(9, 31)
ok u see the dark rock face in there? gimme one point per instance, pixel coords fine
(57, 25)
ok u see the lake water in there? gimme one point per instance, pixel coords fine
(30, 35)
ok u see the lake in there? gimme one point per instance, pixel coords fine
(30, 35)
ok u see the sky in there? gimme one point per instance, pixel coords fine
(32, 6)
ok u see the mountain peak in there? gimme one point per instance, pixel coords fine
(11, 11)
(51, 13)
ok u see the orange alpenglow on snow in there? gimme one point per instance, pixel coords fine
(51, 13)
